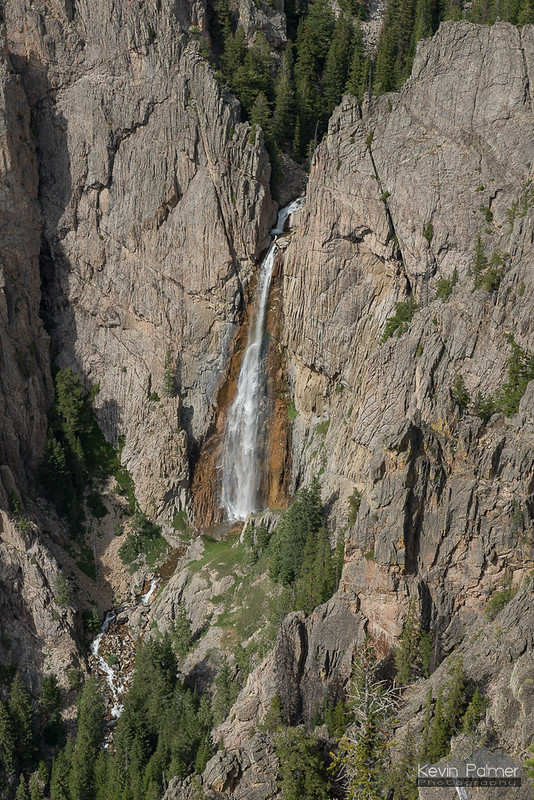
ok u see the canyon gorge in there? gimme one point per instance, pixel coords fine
(384, 329)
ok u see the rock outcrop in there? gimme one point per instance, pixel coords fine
(24, 367)
(398, 192)
(156, 206)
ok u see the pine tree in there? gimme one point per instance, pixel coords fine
(438, 740)
(474, 712)
(169, 379)
(283, 121)
(427, 724)
(35, 789)
(59, 780)
(21, 714)
(407, 654)
(362, 755)
(90, 736)
(359, 67)
(7, 741)
(22, 789)
(260, 114)
(456, 697)
(181, 635)
(302, 770)
(225, 692)
(50, 693)
(479, 263)
(403, 774)
(337, 63)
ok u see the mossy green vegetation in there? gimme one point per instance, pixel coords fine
(398, 323)
(506, 399)
(77, 454)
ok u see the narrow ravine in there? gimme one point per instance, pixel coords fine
(113, 650)
(244, 439)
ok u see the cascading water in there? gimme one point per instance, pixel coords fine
(243, 441)
(114, 682)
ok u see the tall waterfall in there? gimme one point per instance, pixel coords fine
(243, 440)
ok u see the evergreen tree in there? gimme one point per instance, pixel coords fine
(313, 41)
(169, 377)
(35, 789)
(233, 57)
(337, 63)
(283, 121)
(260, 114)
(427, 723)
(50, 693)
(438, 740)
(403, 774)
(7, 741)
(362, 755)
(302, 770)
(89, 739)
(225, 692)
(359, 67)
(59, 780)
(181, 635)
(474, 712)
(20, 711)
(22, 789)
(456, 697)
(407, 654)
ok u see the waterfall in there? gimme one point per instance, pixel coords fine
(243, 440)
(462, 792)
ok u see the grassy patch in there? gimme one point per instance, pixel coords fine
(180, 522)
(292, 412)
(322, 428)
(221, 556)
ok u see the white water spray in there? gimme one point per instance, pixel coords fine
(145, 598)
(462, 792)
(113, 680)
(243, 441)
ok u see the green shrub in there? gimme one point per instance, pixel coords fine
(62, 591)
(292, 412)
(322, 428)
(145, 539)
(445, 286)
(354, 506)
(498, 600)
(400, 320)
(460, 393)
(428, 232)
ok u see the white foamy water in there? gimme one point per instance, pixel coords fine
(145, 598)
(244, 441)
(113, 680)
(462, 792)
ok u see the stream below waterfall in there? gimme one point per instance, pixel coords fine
(244, 440)
(112, 651)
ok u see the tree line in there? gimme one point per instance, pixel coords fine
(292, 96)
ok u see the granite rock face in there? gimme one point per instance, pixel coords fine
(24, 369)
(155, 206)
(398, 192)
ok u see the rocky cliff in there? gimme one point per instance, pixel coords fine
(135, 205)
(399, 191)
(155, 206)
